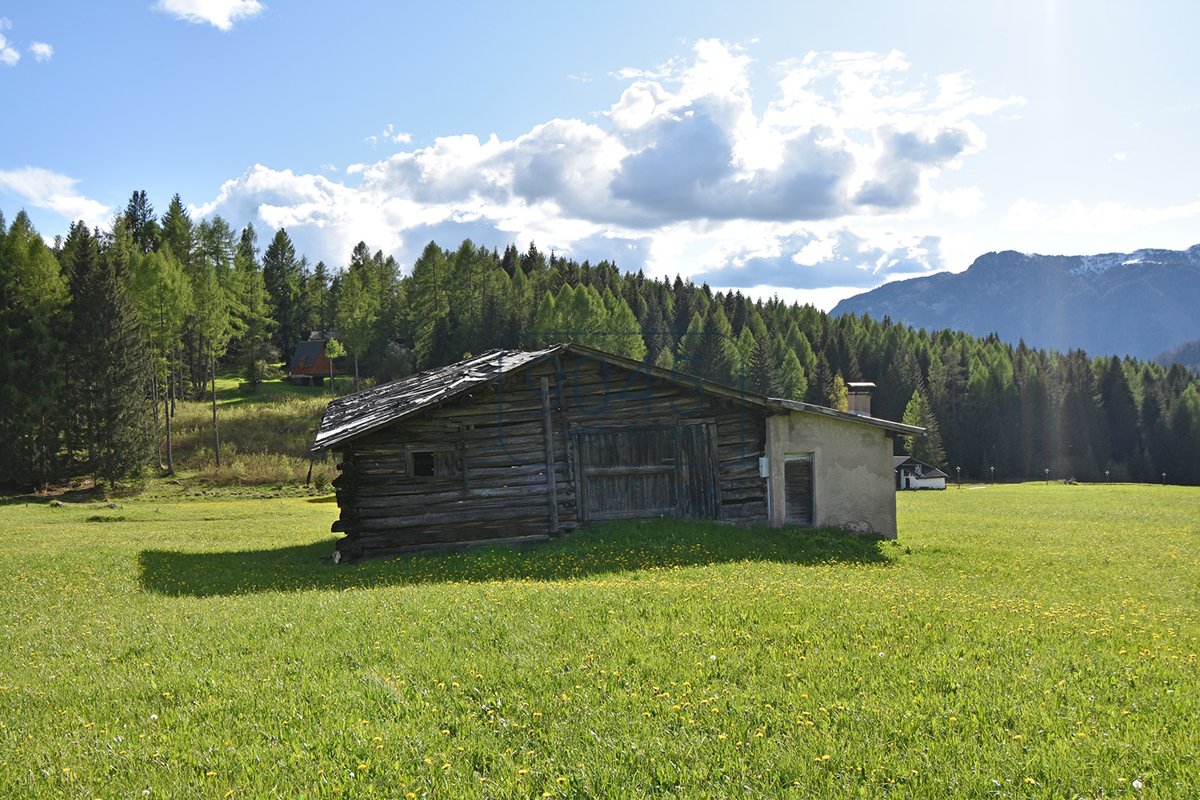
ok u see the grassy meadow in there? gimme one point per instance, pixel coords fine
(264, 435)
(1018, 641)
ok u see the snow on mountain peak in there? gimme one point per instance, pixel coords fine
(1093, 265)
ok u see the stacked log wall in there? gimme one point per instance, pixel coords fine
(502, 492)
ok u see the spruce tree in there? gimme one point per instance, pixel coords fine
(253, 345)
(108, 363)
(33, 299)
(763, 376)
(283, 279)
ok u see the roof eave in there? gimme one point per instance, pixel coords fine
(318, 445)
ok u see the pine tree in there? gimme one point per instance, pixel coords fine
(429, 307)
(928, 447)
(253, 346)
(176, 231)
(689, 356)
(283, 278)
(764, 374)
(141, 223)
(33, 299)
(108, 363)
(721, 359)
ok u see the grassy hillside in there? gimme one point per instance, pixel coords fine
(1019, 641)
(264, 435)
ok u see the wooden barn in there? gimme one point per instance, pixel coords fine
(515, 446)
(309, 364)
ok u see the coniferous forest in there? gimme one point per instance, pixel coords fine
(103, 331)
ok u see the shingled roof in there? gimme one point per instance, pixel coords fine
(355, 414)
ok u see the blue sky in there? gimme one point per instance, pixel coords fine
(811, 150)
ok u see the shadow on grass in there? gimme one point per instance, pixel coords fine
(80, 496)
(600, 550)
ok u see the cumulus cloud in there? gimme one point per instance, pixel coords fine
(43, 188)
(41, 51)
(221, 14)
(687, 171)
(9, 56)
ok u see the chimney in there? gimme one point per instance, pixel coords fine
(859, 394)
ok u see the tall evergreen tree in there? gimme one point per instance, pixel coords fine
(253, 307)
(108, 363)
(33, 299)
(283, 278)
(141, 223)
(429, 307)
(926, 448)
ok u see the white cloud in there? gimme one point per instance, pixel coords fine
(1118, 157)
(221, 14)
(815, 252)
(41, 51)
(42, 188)
(389, 134)
(1103, 218)
(687, 171)
(9, 56)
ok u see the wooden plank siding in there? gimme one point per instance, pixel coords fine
(488, 451)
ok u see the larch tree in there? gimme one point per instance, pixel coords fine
(357, 312)
(163, 298)
(213, 321)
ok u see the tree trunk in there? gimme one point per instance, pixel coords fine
(212, 361)
(154, 408)
(167, 399)
(356, 372)
(331, 391)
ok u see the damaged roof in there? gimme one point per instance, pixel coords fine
(355, 414)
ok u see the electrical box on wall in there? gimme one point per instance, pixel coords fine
(764, 467)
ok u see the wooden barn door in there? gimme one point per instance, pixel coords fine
(626, 472)
(798, 489)
(699, 488)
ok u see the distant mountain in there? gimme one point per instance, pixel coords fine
(1187, 354)
(1140, 304)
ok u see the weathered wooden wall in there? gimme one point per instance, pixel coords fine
(501, 490)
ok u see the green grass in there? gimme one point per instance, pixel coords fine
(1019, 641)
(264, 436)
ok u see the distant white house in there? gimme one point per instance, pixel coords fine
(913, 474)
